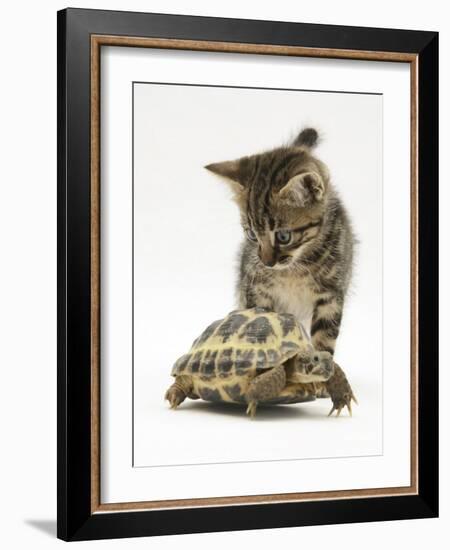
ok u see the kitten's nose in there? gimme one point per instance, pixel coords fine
(267, 256)
(269, 263)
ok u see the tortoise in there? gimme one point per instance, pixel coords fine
(257, 356)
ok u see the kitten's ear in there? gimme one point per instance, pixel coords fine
(234, 171)
(303, 190)
(308, 138)
(229, 169)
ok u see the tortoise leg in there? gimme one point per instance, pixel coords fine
(340, 391)
(321, 390)
(179, 390)
(265, 386)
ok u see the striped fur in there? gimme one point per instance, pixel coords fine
(289, 189)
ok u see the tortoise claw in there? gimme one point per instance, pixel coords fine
(174, 396)
(251, 409)
(341, 407)
(340, 392)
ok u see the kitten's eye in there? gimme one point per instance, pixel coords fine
(251, 234)
(283, 237)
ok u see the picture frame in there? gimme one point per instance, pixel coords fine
(81, 36)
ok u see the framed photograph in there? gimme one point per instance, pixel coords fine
(247, 270)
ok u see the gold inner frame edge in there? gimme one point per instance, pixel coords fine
(97, 41)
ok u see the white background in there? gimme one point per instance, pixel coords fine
(28, 243)
(186, 238)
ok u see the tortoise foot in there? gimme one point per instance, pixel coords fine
(340, 392)
(321, 391)
(175, 396)
(251, 409)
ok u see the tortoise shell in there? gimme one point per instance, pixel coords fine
(243, 344)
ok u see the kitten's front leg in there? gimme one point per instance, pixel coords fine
(326, 322)
(251, 287)
(254, 294)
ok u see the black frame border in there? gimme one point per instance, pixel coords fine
(75, 520)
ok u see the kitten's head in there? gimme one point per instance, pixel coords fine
(282, 198)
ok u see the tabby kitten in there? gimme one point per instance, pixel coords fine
(297, 257)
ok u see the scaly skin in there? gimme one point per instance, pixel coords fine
(265, 386)
(340, 391)
(178, 391)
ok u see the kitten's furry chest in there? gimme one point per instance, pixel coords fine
(293, 294)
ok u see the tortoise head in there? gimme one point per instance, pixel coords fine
(312, 366)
